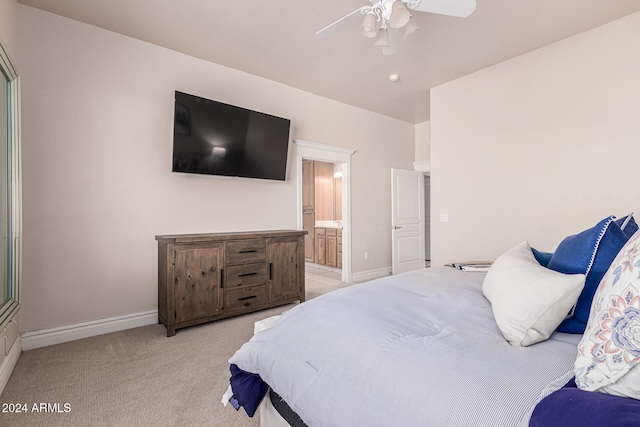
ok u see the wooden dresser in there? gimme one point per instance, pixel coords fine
(205, 277)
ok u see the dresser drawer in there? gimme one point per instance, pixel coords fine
(242, 299)
(245, 275)
(244, 251)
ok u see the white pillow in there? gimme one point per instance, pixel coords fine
(529, 301)
(609, 353)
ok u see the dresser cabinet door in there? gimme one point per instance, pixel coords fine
(285, 268)
(198, 275)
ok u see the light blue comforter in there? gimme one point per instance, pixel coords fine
(416, 349)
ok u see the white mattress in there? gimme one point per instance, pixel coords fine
(421, 348)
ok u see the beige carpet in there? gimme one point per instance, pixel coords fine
(138, 377)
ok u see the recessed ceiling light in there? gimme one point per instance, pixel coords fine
(394, 77)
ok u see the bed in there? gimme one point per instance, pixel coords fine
(440, 347)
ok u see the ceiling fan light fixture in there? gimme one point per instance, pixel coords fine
(410, 29)
(368, 26)
(400, 15)
(397, 14)
(383, 38)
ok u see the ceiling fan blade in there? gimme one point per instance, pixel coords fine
(340, 23)
(459, 8)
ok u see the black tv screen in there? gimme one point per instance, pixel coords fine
(213, 138)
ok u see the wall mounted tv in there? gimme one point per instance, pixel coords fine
(213, 138)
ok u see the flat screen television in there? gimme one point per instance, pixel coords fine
(213, 138)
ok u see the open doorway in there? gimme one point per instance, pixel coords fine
(411, 219)
(335, 161)
(322, 217)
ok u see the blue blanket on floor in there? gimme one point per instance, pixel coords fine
(248, 390)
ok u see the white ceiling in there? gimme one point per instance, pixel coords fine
(276, 40)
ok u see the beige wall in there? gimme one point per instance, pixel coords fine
(97, 135)
(537, 147)
(423, 142)
(9, 27)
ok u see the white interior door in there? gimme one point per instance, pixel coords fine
(407, 227)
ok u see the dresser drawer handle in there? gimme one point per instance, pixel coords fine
(248, 251)
(247, 274)
(246, 298)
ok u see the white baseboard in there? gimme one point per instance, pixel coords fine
(371, 274)
(46, 337)
(9, 363)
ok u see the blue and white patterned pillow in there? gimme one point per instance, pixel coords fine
(610, 347)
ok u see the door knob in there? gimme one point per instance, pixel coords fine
(395, 227)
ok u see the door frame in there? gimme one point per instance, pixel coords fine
(331, 154)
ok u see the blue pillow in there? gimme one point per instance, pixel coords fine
(543, 258)
(590, 252)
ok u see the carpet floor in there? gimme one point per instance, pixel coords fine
(137, 377)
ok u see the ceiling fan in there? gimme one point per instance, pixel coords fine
(381, 16)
